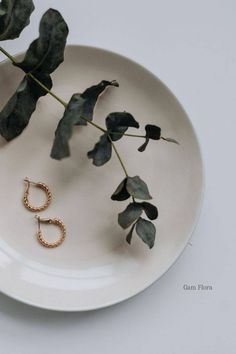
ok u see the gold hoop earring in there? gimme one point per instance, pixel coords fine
(56, 222)
(42, 186)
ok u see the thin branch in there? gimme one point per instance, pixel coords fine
(118, 155)
(8, 55)
(47, 90)
(133, 135)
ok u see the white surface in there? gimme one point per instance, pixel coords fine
(95, 267)
(191, 46)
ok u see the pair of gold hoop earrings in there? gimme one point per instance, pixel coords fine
(53, 221)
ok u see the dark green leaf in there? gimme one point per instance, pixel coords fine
(129, 215)
(42, 58)
(130, 234)
(152, 132)
(144, 145)
(46, 53)
(64, 129)
(137, 188)
(150, 210)
(118, 122)
(16, 114)
(14, 17)
(91, 96)
(146, 231)
(101, 152)
(121, 192)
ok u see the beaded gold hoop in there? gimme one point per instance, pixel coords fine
(42, 186)
(56, 222)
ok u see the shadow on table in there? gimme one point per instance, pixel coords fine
(22, 312)
(17, 310)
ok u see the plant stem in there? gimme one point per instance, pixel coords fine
(133, 135)
(118, 155)
(94, 124)
(47, 90)
(143, 136)
(8, 55)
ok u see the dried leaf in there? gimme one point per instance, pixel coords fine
(129, 215)
(14, 17)
(121, 192)
(46, 53)
(130, 234)
(118, 122)
(150, 210)
(144, 145)
(16, 114)
(91, 96)
(101, 152)
(170, 140)
(137, 188)
(64, 129)
(152, 132)
(146, 231)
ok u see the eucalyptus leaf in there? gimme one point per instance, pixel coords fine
(129, 215)
(64, 129)
(121, 192)
(118, 122)
(152, 132)
(46, 53)
(101, 152)
(137, 188)
(146, 231)
(170, 140)
(150, 210)
(14, 17)
(144, 145)
(16, 114)
(91, 96)
(130, 234)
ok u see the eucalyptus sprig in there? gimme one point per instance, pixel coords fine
(42, 58)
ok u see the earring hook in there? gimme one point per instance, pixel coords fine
(37, 217)
(28, 184)
(45, 220)
(40, 185)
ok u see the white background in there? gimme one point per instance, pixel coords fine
(191, 46)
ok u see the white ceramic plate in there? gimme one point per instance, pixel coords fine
(95, 267)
